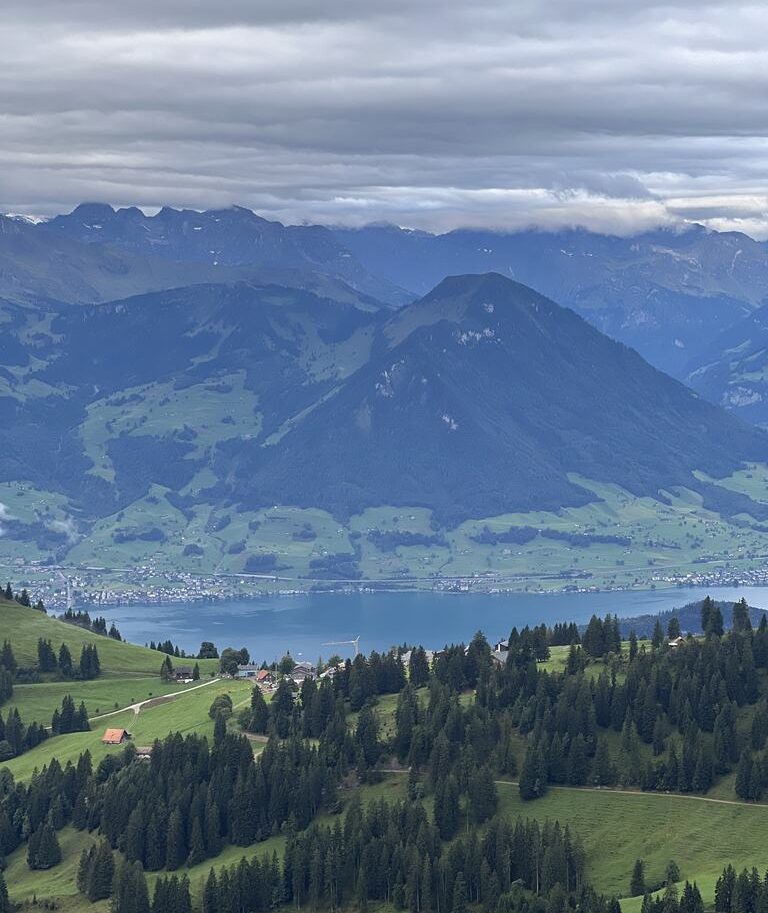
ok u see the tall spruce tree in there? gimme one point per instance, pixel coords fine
(637, 881)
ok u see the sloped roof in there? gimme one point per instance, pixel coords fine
(114, 736)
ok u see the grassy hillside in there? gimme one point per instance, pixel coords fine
(701, 835)
(186, 713)
(129, 674)
(24, 627)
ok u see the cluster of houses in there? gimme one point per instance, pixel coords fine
(267, 679)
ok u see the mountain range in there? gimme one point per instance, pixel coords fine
(666, 293)
(236, 394)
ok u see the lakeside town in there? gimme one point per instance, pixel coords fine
(61, 587)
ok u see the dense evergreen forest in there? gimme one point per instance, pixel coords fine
(654, 714)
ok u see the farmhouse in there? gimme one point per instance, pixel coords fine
(265, 677)
(676, 642)
(115, 736)
(247, 670)
(183, 674)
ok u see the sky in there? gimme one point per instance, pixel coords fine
(489, 113)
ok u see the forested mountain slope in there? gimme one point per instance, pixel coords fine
(481, 398)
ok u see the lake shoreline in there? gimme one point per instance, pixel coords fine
(309, 624)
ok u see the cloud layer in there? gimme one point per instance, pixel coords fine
(431, 115)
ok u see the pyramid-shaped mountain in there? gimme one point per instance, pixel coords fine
(485, 397)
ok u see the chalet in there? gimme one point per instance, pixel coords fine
(248, 670)
(501, 647)
(265, 677)
(144, 752)
(115, 736)
(183, 674)
(676, 642)
(303, 670)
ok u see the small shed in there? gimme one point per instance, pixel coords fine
(115, 736)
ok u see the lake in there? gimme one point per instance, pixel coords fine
(305, 624)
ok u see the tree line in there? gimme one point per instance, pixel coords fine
(51, 661)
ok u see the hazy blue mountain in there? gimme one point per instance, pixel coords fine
(37, 266)
(223, 239)
(666, 293)
(733, 370)
(146, 387)
(481, 398)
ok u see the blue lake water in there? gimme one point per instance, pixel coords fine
(304, 624)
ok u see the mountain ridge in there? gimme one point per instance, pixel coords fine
(432, 397)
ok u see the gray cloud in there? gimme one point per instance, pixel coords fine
(431, 115)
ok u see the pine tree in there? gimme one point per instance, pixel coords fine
(7, 659)
(603, 771)
(65, 662)
(483, 796)
(744, 775)
(43, 851)
(447, 808)
(578, 762)
(691, 901)
(637, 882)
(176, 849)
(259, 716)
(741, 623)
(219, 729)
(459, 904)
(102, 873)
(632, 645)
(84, 869)
(716, 627)
(724, 890)
(5, 903)
(418, 668)
(196, 842)
(533, 777)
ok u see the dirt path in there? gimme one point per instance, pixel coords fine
(158, 699)
(608, 791)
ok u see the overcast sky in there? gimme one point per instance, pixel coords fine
(499, 113)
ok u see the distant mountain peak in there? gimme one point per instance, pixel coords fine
(91, 212)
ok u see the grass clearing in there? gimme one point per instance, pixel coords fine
(101, 695)
(702, 837)
(185, 713)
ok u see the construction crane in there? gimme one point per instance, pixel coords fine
(343, 643)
